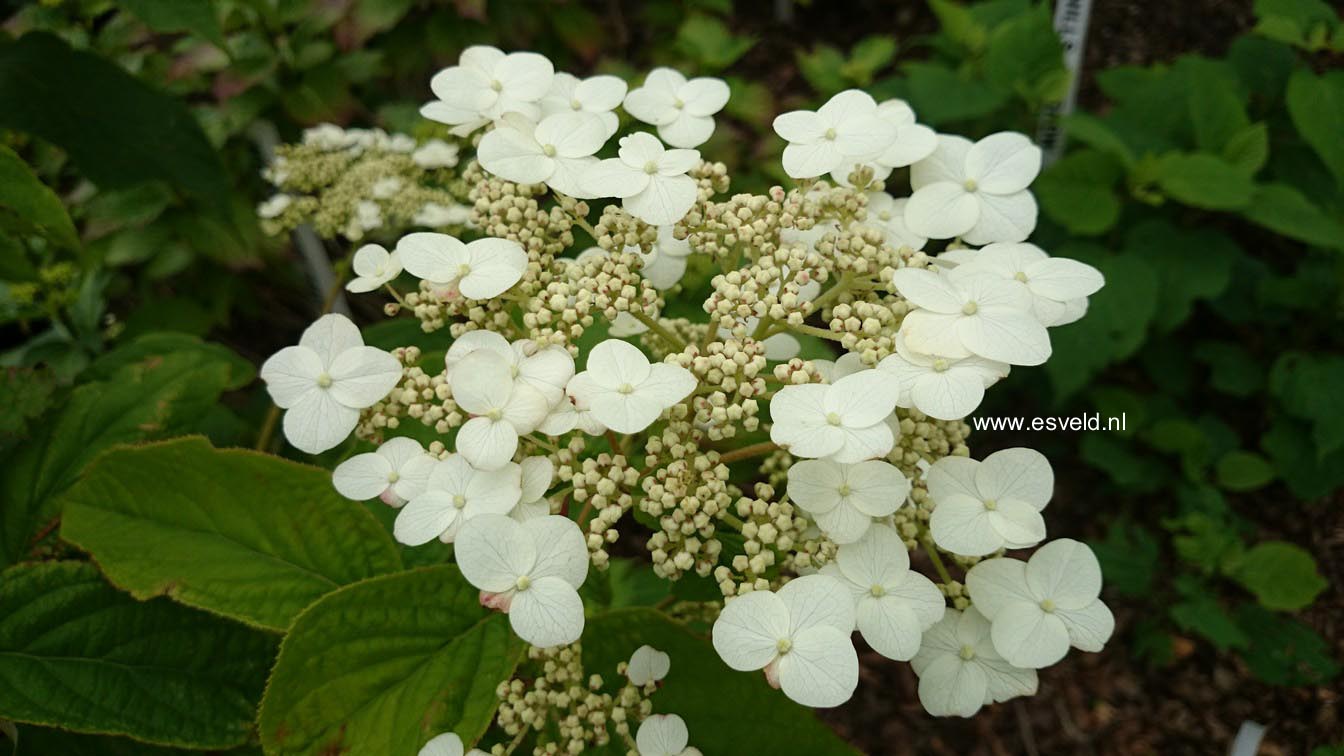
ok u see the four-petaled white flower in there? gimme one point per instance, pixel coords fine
(981, 507)
(571, 413)
(844, 130)
(647, 665)
(799, 635)
(485, 84)
(1038, 608)
(456, 492)
(598, 95)
(843, 499)
(650, 181)
(894, 605)
(546, 369)
(396, 473)
(480, 269)
(447, 744)
(624, 391)
(665, 263)
(975, 191)
(844, 421)
(913, 142)
(941, 387)
(960, 671)
(435, 153)
(537, 475)
(682, 110)
(664, 735)
(980, 315)
(1059, 286)
(326, 380)
(531, 570)
(374, 266)
(502, 406)
(557, 152)
(887, 215)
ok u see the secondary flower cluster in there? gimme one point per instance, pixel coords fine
(796, 444)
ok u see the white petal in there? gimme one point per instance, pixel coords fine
(431, 256)
(560, 548)
(493, 491)
(425, 518)
(496, 265)
(1090, 627)
(677, 162)
(1001, 218)
(879, 558)
(492, 551)
(814, 485)
(861, 399)
(1016, 338)
(913, 143)
(414, 476)
(799, 126)
(526, 408)
(1018, 523)
(748, 630)
(1006, 681)
(290, 374)
(600, 93)
(573, 134)
(330, 336)
(822, 668)
(878, 488)
(625, 413)
(1066, 572)
(1017, 473)
(317, 422)
(1027, 636)
(951, 476)
(942, 210)
(447, 744)
(704, 96)
(482, 381)
(362, 477)
(815, 600)
(843, 523)
(951, 687)
(647, 665)
(962, 525)
(525, 75)
(928, 290)
(859, 444)
(890, 627)
(661, 734)
(614, 362)
(687, 130)
(613, 178)
(514, 156)
(667, 384)
(487, 444)
(363, 376)
(537, 474)
(811, 159)
(934, 333)
(949, 395)
(1062, 279)
(996, 584)
(1003, 163)
(549, 613)
(946, 163)
(479, 339)
(665, 200)
(800, 422)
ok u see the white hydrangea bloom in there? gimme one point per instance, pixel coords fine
(664, 735)
(665, 263)
(597, 95)
(846, 129)
(894, 605)
(799, 635)
(844, 421)
(960, 671)
(843, 499)
(531, 570)
(326, 380)
(981, 507)
(537, 475)
(435, 153)
(975, 191)
(682, 110)
(647, 665)
(571, 413)
(1038, 608)
(434, 215)
(887, 215)
(368, 216)
(625, 392)
(373, 266)
(546, 369)
(395, 473)
(557, 152)
(941, 387)
(502, 406)
(447, 744)
(978, 315)
(485, 84)
(481, 269)
(1056, 284)
(456, 492)
(274, 206)
(913, 143)
(650, 181)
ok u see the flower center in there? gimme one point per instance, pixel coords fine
(991, 505)
(523, 582)
(844, 489)
(784, 645)
(324, 380)
(969, 308)
(513, 370)
(966, 653)
(1047, 605)
(497, 85)
(833, 418)
(548, 150)
(940, 365)
(970, 185)
(495, 414)
(459, 501)
(877, 591)
(830, 134)
(574, 104)
(463, 270)
(1020, 276)
(626, 388)
(884, 215)
(678, 104)
(651, 167)
(393, 476)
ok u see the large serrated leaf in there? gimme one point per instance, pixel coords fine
(381, 666)
(33, 202)
(253, 537)
(77, 654)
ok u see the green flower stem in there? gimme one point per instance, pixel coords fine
(673, 340)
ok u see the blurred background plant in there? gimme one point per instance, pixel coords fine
(1205, 177)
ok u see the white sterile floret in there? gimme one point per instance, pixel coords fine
(397, 472)
(485, 84)
(447, 744)
(844, 421)
(799, 635)
(981, 507)
(557, 152)
(326, 380)
(537, 475)
(481, 269)
(894, 605)
(435, 153)
(647, 665)
(625, 392)
(960, 671)
(1039, 608)
(274, 206)
(980, 315)
(887, 215)
(1056, 284)
(913, 143)
(975, 191)
(650, 181)
(456, 492)
(844, 499)
(664, 735)
(503, 407)
(571, 413)
(665, 263)
(682, 110)
(530, 570)
(546, 369)
(844, 130)
(597, 95)
(373, 266)
(941, 387)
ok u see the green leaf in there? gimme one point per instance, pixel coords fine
(763, 717)
(1025, 57)
(823, 69)
(157, 396)
(25, 393)
(195, 16)
(1203, 615)
(1316, 104)
(1304, 23)
(1216, 108)
(41, 741)
(1283, 576)
(1096, 133)
(118, 130)
(1128, 558)
(202, 526)
(160, 343)
(1308, 475)
(1204, 181)
(76, 654)
(1192, 264)
(35, 205)
(1284, 210)
(868, 56)
(709, 42)
(1248, 148)
(1308, 386)
(1232, 370)
(940, 95)
(1284, 651)
(956, 21)
(1244, 471)
(385, 664)
(1078, 192)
